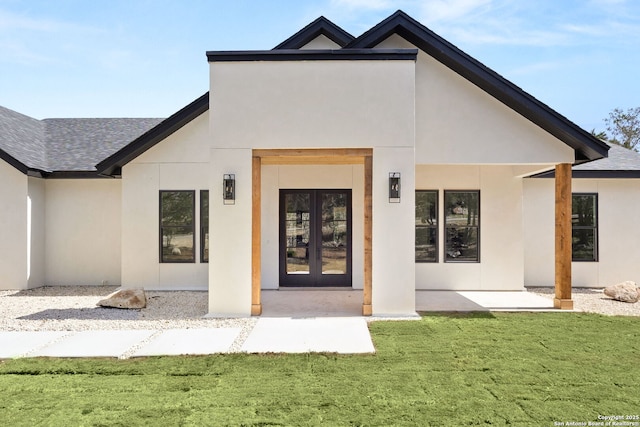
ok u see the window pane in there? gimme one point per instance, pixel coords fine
(204, 207)
(426, 244)
(462, 222)
(461, 244)
(177, 229)
(177, 207)
(204, 225)
(334, 233)
(584, 210)
(462, 208)
(584, 221)
(205, 244)
(426, 208)
(584, 244)
(177, 244)
(426, 226)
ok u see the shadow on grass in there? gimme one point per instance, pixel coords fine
(457, 314)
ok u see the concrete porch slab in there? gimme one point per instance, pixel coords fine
(305, 302)
(174, 342)
(481, 301)
(328, 334)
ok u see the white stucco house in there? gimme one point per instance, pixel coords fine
(389, 162)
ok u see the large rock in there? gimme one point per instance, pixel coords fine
(625, 291)
(125, 298)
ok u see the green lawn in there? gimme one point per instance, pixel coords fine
(500, 369)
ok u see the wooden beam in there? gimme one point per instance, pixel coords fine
(256, 236)
(563, 237)
(368, 234)
(308, 160)
(313, 152)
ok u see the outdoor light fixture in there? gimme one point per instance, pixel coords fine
(394, 187)
(229, 189)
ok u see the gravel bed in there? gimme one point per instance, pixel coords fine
(73, 308)
(592, 300)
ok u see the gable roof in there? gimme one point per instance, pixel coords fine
(55, 147)
(586, 146)
(321, 26)
(113, 164)
(621, 163)
(21, 141)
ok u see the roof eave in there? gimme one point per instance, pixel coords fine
(321, 26)
(312, 55)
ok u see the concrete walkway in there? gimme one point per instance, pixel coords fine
(292, 322)
(348, 335)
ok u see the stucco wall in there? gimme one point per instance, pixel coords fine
(321, 42)
(83, 231)
(501, 235)
(311, 104)
(13, 222)
(459, 123)
(618, 233)
(36, 232)
(180, 162)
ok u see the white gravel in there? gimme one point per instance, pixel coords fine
(593, 301)
(73, 308)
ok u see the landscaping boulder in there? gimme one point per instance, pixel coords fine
(125, 298)
(625, 292)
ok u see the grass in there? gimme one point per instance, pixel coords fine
(446, 370)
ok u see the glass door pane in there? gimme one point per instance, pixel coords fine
(334, 233)
(297, 232)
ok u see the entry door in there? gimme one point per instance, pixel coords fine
(315, 237)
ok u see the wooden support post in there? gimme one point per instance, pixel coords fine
(368, 233)
(256, 237)
(563, 236)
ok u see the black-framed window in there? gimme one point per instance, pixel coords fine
(426, 226)
(177, 226)
(584, 227)
(462, 226)
(204, 225)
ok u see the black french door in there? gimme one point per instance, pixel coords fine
(315, 238)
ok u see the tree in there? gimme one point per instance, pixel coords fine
(624, 127)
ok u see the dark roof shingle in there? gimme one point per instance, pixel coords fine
(80, 144)
(22, 138)
(65, 145)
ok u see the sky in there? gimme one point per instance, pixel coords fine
(146, 58)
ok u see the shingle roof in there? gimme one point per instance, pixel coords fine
(621, 163)
(65, 145)
(79, 144)
(22, 140)
(619, 159)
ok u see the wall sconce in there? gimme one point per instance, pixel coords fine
(394, 187)
(229, 189)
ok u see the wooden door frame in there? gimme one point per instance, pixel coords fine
(309, 156)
